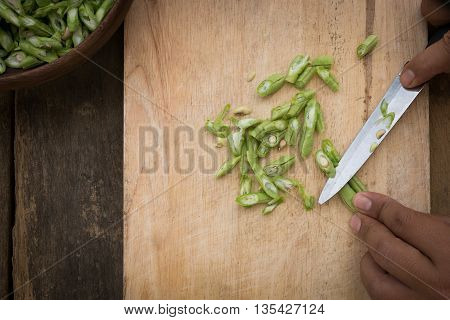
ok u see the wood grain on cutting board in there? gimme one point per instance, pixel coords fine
(185, 238)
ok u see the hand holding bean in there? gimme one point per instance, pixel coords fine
(409, 251)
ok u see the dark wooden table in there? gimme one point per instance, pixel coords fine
(61, 181)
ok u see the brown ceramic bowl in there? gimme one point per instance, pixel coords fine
(16, 78)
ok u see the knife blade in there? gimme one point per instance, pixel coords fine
(399, 99)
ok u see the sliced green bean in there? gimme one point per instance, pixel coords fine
(236, 141)
(384, 107)
(373, 146)
(279, 166)
(251, 199)
(389, 118)
(269, 86)
(2, 66)
(20, 60)
(299, 102)
(323, 61)
(273, 139)
(245, 185)
(325, 164)
(42, 12)
(271, 126)
(28, 6)
(41, 54)
(227, 166)
(15, 5)
(357, 185)
(73, 21)
(57, 22)
(45, 42)
(292, 132)
(37, 26)
(9, 15)
(244, 165)
(309, 127)
(347, 194)
(328, 78)
(247, 123)
(263, 150)
(264, 181)
(331, 152)
(280, 111)
(309, 201)
(320, 125)
(87, 16)
(298, 65)
(3, 53)
(272, 205)
(251, 144)
(43, 3)
(6, 41)
(367, 46)
(217, 127)
(259, 129)
(285, 184)
(305, 77)
(103, 9)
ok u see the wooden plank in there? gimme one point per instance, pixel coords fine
(69, 167)
(6, 189)
(439, 144)
(184, 235)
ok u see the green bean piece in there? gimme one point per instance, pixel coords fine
(6, 41)
(271, 85)
(2, 66)
(305, 77)
(320, 125)
(43, 3)
(245, 185)
(263, 150)
(63, 51)
(87, 16)
(44, 11)
(323, 61)
(347, 194)
(325, 164)
(328, 78)
(263, 180)
(35, 25)
(297, 66)
(3, 53)
(74, 3)
(280, 112)
(95, 3)
(259, 129)
(279, 166)
(331, 152)
(247, 123)
(244, 165)
(292, 132)
(251, 199)
(309, 127)
(389, 118)
(19, 60)
(285, 184)
(235, 142)
(41, 54)
(251, 144)
(366, 46)
(217, 127)
(28, 6)
(308, 200)
(357, 185)
(299, 102)
(384, 107)
(45, 43)
(15, 5)
(271, 206)
(273, 139)
(267, 127)
(57, 22)
(73, 21)
(103, 9)
(9, 15)
(227, 166)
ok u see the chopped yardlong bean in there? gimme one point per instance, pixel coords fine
(41, 54)
(271, 85)
(272, 205)
(347, 194)
(227, 166)
(328, 78)
(264, 181)
(323, 61)
(325, 164)
(308, 200)
(298, 65)
(292, 132)
(103, 9)
(251, 199)
(331, 152)
(235, 142)
(9, 15)
(299, 102)
(20, 60)
(384, 107)
(35, 25)
(309, 127)
(246, 185)
(367, 46)
(45, 43)
(263, 150)
(357, 185)
(217, 127)
(320, 125)
(247, 123)
(87, 16)
(285, 184)
(305, 77)
(280, 111)
(6, 40)
(2, 66)
(389, 118)
(244, 165)
(273, 139)
(279, 166)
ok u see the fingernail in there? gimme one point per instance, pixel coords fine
(355, 223)
(362, 202)
(407, 77)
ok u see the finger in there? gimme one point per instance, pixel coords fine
(432, 61)
(380, 284)
(392, 254)
(435, 12)
(422, 231)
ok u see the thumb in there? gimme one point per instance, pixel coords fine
(432, 61)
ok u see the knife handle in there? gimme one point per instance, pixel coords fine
(438, 34)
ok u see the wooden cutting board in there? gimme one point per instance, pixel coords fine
(185, 236)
